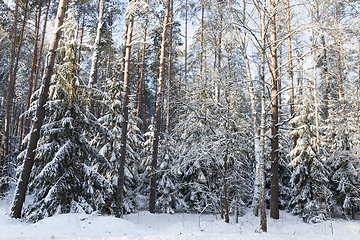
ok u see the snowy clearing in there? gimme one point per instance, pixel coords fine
(148, 226)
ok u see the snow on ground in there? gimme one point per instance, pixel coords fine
(148, 226)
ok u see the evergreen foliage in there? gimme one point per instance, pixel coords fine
(206, 156)
(110, 147)
(310, 177)
(68, 175)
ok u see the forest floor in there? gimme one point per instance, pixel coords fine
(144, 225)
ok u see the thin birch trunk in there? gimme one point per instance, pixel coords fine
(338, 55)
(254, 113)
(313, 42)
(326, 73)
(21, 188)
(263, 224)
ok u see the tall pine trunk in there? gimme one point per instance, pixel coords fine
(23, 181)
(274, 157)
(41, 47)
(159, 106)
(141, 87)
(25, 129)
(125, 115)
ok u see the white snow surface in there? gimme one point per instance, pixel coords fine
(144, 225)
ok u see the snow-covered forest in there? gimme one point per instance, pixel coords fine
(229, 108)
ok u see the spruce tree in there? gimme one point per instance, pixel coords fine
(310, 177)
(69, 173)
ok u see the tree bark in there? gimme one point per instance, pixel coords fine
(125, 115)
(95, 59)
(9, 100)
(291, 75)
(20, 41)
(22, 184)
(186, 40)
(169, 70)
(141, 87)
(274, 157)
(25, 129)
(202, 41)
(326, 73)
(263, 223)
(159, 106)
(81, 37)
(41, 47)
(219, 58)
(254, 113)
(338, 55)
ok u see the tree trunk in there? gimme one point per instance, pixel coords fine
(169, 72)
(33, 68)
(274, 157)
(81, 36)
(140, 99)
(9, 100)
(291, 75)
(22, 184)
(186, 40)
(263, 224)
(254, 114)
(202, 41)
(313, 43)
(338, 55)
(95, 59)
(280, 112)
(41, 48)
(159, 106)
(137, 81)
(219, 59)
(125, 115)
(224, 175)
(326, 73)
